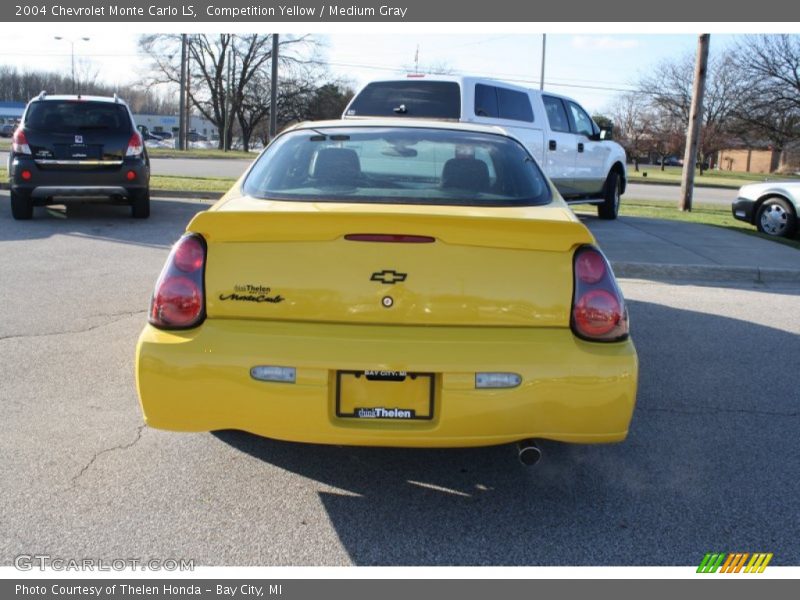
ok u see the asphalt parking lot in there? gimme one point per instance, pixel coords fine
(711, 463)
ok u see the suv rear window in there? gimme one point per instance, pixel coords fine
(65, 116)
(412, 98)
(398, 166)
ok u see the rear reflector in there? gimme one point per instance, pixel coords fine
(391, 238)
(26, 175)
(130, 175)
(497, 380)
(276, 374)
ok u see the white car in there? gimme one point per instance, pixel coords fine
(772, 207)
(575, 153)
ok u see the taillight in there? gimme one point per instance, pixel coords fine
(179, 298)
(135, 145)
(19, 143)
(598, 308)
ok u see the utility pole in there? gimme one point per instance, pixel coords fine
(273, 109)
(544, 44)
(695, 122)
(182, 99)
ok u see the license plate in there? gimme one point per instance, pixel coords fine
(384, 395)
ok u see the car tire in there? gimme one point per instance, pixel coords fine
(776, 218)
(140, 204)
(609, 209)
(21, 206)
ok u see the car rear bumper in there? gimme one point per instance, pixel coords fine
(744, 209)
(102, 180)
(572, 390)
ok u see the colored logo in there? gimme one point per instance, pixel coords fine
(735, 562)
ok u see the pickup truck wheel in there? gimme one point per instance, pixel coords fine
(776, 218)
(609, 209)
(140, 204)
(21, 206)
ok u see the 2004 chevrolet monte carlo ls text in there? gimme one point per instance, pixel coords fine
(390, 284)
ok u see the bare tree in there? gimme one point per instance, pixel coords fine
(634, 122)
(210, 57)
(769, 68)
(670, 90)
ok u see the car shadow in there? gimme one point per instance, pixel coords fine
(710, 464)
(168, 219)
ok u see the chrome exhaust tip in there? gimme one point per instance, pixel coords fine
(528, 453)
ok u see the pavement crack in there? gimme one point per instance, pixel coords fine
(121, 317)
(96, 455)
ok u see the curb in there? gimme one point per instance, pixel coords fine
(714, 186)
(631, 270)
(163, 193)
(184, 194)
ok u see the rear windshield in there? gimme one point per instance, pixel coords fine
(398, 166)
(412, 98)
(65, 116)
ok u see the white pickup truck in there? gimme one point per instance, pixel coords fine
(575, 153)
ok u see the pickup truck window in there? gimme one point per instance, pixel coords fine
(485, 101)
(502, 103)
(583, 123)
(556, 114)
(514, 105)
(412, 98)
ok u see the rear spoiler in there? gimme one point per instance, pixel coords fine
(540, 228)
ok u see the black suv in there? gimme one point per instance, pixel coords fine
(78, 146)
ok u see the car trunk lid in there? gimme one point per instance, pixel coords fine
(474, 266)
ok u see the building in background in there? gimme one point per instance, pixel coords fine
(159, 124)
(11, 113)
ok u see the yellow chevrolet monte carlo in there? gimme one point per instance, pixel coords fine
(386, 283)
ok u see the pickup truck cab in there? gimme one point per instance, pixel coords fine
(575, 153)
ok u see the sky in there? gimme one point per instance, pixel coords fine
(593, 69)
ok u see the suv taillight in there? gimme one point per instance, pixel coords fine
(135, 145)
(598, 308)
(179, 298)
(19, 143)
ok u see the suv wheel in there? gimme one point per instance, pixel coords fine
(140, 204)
(609, 209)
(21, 206)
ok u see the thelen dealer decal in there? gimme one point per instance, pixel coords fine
(252, 293)
(734, 562)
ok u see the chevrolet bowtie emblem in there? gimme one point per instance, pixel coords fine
(388, 277)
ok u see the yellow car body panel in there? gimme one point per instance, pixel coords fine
(571, 391)
(492, 294)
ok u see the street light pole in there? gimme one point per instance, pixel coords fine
(72, 53)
